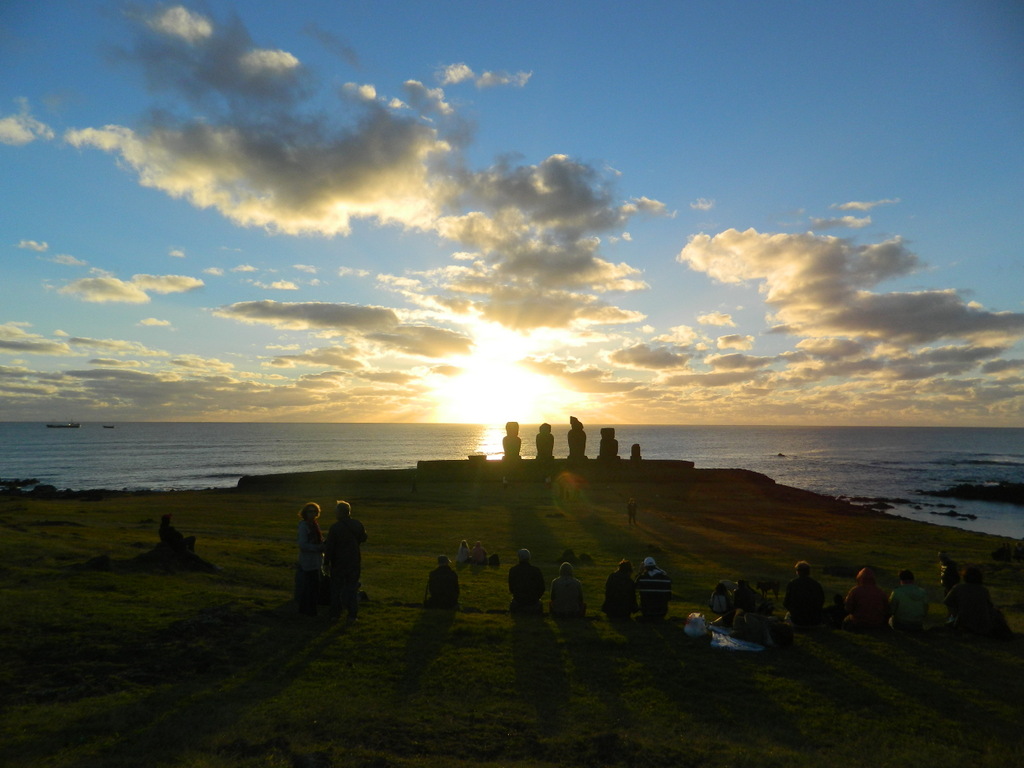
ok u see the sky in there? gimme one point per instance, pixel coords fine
(766, 212)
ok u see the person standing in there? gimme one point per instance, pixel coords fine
(655, 589)
(949, 574)
(631, 511)
(909, 604)
(311, 559)
(345, 558)
(526, 583)
(804, 598)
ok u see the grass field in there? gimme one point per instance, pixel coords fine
(139, 665)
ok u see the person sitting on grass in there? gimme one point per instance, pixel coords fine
(526, 583)
(866, 604)
(909, 604)
(462, 556)
(479, 555)
(567, 595)
(719, 601)
(620, 593)
(173, 538)
(442, 586)
(804, 598)
(969, 603)
(655, 589)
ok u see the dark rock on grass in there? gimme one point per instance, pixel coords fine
(160, 558)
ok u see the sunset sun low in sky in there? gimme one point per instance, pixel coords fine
(666, 213)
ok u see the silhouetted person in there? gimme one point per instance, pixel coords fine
(620, 592)
(442, 586)
(970, 605)
(804, 598)
(631, 511)
(908, 604)
(577, 440)
(526, 583)
(173, 538)
(866, 605)
(567, 594)
(654, 587)
(343, 554)
(311, 559)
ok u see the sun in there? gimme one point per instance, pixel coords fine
(493, 387)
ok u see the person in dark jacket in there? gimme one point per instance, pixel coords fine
(620, 593)
(804, 598)
(173, 538)
(970, 604)
(342, 553)
(442, 586)
(654, 587)
(526, 583)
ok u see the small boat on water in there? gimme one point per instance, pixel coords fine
(64, 425)
(109, 426)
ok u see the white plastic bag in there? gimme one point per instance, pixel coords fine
(695, 625)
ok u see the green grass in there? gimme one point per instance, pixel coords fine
(135, 667)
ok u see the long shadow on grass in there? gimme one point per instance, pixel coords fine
(541, 677)
(180, 717)
(426, 639)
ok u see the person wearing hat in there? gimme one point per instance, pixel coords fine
(654, 587)
(526, 583)
(442, 586)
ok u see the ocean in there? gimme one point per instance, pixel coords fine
(876, 462)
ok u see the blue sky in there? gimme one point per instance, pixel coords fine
(692, 213)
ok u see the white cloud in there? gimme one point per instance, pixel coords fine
(850, 222)
(864, 206)
(22, 128)
(34, 245)
(716, 318)
(111, 289)
(818, 286)
(735, 341)
(702, 204)
(180, 22)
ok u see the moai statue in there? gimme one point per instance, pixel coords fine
(634, 452)
(609, 448)
(511, 442)
(545, 443)
(577, 440)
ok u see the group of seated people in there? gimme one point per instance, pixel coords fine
(648, 594)
(865, 607)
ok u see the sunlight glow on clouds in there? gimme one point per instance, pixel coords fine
(453, 257)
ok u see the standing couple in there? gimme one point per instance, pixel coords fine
(339, 551)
